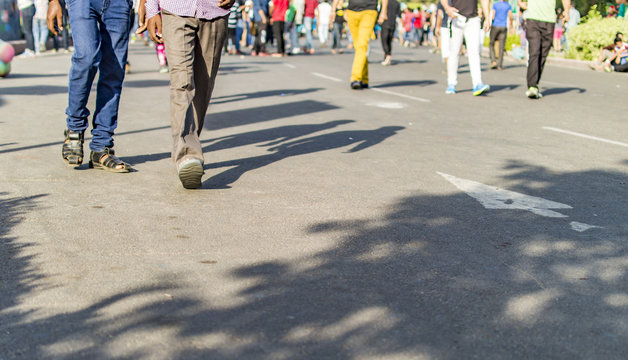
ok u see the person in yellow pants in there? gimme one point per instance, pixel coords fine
(361, 17)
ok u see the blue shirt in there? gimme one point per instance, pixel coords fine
(260, 5)
(501, 9)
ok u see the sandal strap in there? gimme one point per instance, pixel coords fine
(108, 159)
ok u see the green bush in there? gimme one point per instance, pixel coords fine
(511, 41)
(586, 39)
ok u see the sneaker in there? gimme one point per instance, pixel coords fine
(364, 85)
(386, 61)
(533, 93)
(480, 89)
(608, 68)
(356, 85)
(164, 69)
(451, 89)
(190, 174)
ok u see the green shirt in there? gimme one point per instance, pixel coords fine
(542, 10)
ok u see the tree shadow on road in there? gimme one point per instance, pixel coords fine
(35, 90)
(430, 276)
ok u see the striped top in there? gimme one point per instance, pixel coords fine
(202, 9)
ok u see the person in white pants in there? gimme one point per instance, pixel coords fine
(324, 15)
(465, 24)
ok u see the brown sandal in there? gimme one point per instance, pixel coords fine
(106, 160)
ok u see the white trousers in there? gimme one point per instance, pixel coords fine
(444, 42)
(470, 30)
(323, 32)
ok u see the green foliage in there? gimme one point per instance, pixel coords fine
(586, 39)
(511, 41)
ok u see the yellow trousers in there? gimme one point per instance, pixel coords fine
(361, 24)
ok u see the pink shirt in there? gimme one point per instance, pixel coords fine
(202, 9)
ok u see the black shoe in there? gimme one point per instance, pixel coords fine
(364, 85)
(356, 85)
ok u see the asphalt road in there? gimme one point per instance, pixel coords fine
(390, 223)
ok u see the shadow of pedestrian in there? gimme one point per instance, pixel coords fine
(561, 90)
(260, 94)
(406, 83)
(496, 88)
(359, 139)
(232, 118)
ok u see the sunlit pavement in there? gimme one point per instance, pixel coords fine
(388, 223)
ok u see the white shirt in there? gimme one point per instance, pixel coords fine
(324, 12)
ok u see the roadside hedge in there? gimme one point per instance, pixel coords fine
(586, 39)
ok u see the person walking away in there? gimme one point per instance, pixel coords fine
(465, 23)
(323, 21)
(101, 38)
(280, 7)
(558, 31)
(442, 31)
(540, 19)
(64, 33)
(309, 13)
(194, 34)
(339, 20)
(502, 20)
(574, 19)
(40, 28)
(408, 21)
(260, 17)
(388, 30)
(232, 45)
(291, 27)
(361, 17)
(27, 9)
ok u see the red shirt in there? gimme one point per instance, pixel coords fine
(310, 7)
(279, 10)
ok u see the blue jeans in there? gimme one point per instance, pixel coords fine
(100, 30)
(307, 24)
(40, 34)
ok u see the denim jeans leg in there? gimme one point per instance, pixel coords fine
(86, 37)
(307, 23)
(115, 26)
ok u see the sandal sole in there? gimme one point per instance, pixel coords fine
(190, 175)
(73, 161)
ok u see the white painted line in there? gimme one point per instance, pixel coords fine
(326, 77)
(585, 136)
(582, 227)
(492, 197)
(399, 94)
(290, 66)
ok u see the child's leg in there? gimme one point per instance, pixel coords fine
(161, 54)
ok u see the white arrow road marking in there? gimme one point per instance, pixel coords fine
(492, 197)
(581, 227)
